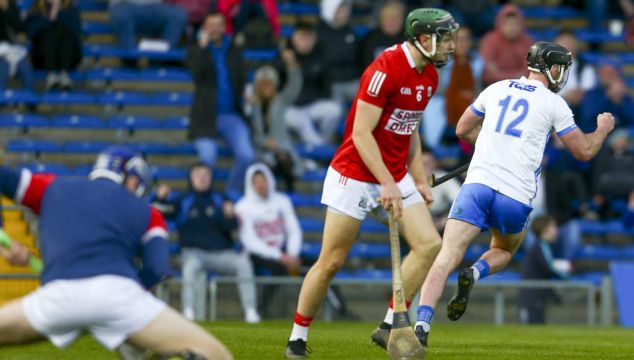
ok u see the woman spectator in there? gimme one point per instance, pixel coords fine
(54, 27)
(270, 133)
(13, 59)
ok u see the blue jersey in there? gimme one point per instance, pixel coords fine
(91, 227)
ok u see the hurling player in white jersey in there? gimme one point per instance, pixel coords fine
(510, 124)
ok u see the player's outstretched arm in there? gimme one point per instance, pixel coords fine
(585, 146)
(366, 119)
(469, 126)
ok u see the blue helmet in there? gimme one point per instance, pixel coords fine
(118, 162)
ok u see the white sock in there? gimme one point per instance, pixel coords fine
(426, 326)
(389, 316)
(476, 274)
(299, 332)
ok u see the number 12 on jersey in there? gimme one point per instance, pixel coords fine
(521, 107)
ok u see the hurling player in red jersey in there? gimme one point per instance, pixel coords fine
(379, 165)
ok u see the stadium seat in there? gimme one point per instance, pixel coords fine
(99, 51)
(131, 123)
(23, 121)
(259, 54)
(82, 170)
(321, 152)
(598, 252)
(293, 8)
(176, 123)
(221, 174)
(10, 96)
(315, 175)
(78, 122)
(85, 146)
(169, 172)
(594, 277)
(557, 12)
(370, 251)
(67, 98)
(33, 145)
(95, 27)
(305, 199)
(122, 98)
(173, 98)
(49, 168)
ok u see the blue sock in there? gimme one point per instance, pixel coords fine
(425, 313)
(480, 269)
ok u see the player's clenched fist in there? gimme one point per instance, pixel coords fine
(391, 198)
(605, 122)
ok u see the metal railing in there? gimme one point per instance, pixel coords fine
(497, 286)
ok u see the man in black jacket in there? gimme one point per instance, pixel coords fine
(216, 66)
(204, 222)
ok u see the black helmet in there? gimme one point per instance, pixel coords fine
(543, 55)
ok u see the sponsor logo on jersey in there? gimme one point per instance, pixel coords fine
(517, 85)
(403, 122)
(376, 82)
(406, 91)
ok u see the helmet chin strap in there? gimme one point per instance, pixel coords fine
(422, 50)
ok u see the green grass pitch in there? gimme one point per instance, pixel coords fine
(341, 340)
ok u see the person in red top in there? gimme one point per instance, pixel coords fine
(379, 164)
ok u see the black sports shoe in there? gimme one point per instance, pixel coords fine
(458, 303)
(381, 335)
(296, 349)
(422, 335)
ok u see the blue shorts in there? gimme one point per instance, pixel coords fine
(486, 208)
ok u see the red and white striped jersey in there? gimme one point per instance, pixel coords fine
(392, 83)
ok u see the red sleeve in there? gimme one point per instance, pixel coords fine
(156, 226)
(31, 189)
(377, 85)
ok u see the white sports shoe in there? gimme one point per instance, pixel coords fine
(251, 316)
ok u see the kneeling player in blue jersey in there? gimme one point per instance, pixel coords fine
(92, 231)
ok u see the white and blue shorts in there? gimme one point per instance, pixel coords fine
(110, 308)
(486, 208)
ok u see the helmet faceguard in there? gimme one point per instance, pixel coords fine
(551, 60)
(117, 163)
(436, 23)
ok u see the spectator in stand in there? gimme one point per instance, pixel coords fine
(610, 95)
(240, 12)
(628, 214)
(204, 223)
(539, 264)
(504, 48)
(314, 115)
(613, 176)
(147, 18)
(478, 15)
(335, 35)
(54, 28)
(13, 57)
(459, 83)
(216, 67)
(582, 77)
(388, 33)
(628, 11)
(443, 194)
(270, 132)
(269, 229)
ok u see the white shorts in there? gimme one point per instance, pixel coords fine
(111, 308)
(357, 198)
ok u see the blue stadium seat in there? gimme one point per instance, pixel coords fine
(169, 172)
(366, 274)
(164, 148)
(92, 5)
(311, 249)
(370, 251)
(594, 277)
(293, 8)
(557, 12)
(22, 121)
(259, 54)
(221, 174)
(165, 74)
(31, 145)
(95, 27)
(371, 225)
(85, 147)
(311, 225)
(305, 199)
(447, 152)
(82, 170)
(176, 123)
(598, 37)
(49, 168)
(78, 122)
(173, 98)
(10, 96)
(100, 50)
(598, 252)
(590, 227)
(134, 123)
(68, 98)
(315, 175)
(121, 98)
(321, 152)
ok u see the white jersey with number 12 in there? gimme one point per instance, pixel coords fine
(519, 116)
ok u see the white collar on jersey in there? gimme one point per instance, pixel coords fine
(408, 54)
(536, 82)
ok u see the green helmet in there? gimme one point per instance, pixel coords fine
(429, 21)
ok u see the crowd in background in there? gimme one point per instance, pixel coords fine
(302, 97)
